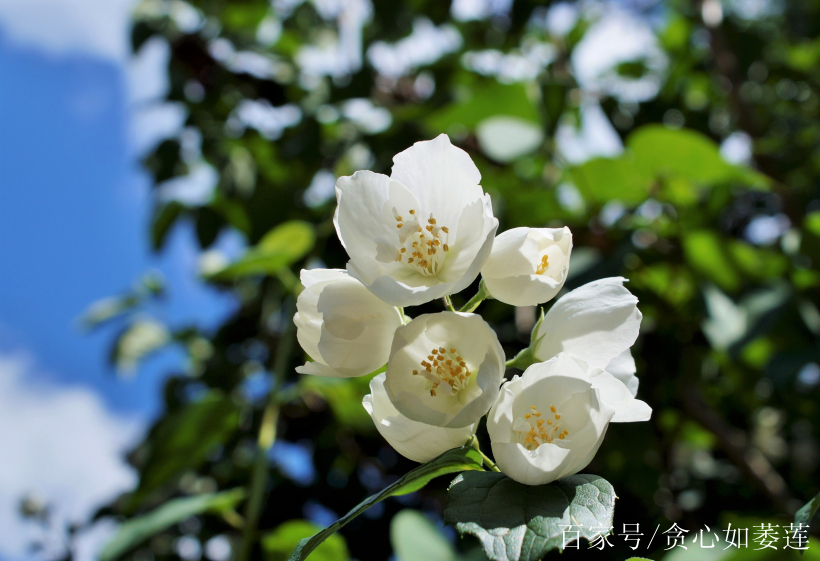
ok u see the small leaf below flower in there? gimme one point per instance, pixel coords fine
(516, 522)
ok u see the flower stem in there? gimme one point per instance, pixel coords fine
(265, 440)
(449, 304)
(479, 297)
(522, 360)
(487, 461)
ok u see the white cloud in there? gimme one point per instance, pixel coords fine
(95, 27)
(62, 444)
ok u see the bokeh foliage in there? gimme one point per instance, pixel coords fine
(731, 320)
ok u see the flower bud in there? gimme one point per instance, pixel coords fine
(340, 324)
(528, 266)
(417, 441)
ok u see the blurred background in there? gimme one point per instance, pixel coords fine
(168, 167)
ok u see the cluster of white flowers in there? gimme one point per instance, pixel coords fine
(426, 232)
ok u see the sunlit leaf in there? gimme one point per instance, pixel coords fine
(516, 522)
(604, 179)
(279, 544)
(457, 459)
(281, 247)
(706, 253)
(415, 538)
(140, 339)
(136, 530)
(482, 100)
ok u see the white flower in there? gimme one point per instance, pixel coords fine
(417, 441)
(548, 423)
(445, 369)
(344, 328)
(596, 323)
(420, 234)
(528, 266)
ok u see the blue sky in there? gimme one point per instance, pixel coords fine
(74, 212)
(74, 209)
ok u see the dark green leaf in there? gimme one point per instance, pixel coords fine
(183, 440)
(281, 247)
(137, 530)
(516, 522)
(806, 514)
(457, 459)
(165, 216)
(278, 544)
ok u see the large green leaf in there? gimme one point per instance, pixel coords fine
(183, 440)
(482, 100)
(278, 544)
(516, 522)
(457, 459)
(664, 152)
(415, 538)
(137, 530)
(603, 179)
(707, 254)
(281, 247)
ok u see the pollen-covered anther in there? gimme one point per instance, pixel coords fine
(423, 242)
(543, 266)
(536, 434)
(447, 366)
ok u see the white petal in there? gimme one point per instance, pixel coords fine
(623, 367)
(514, 253)
(524, 290)
(616, 395)
(359, 219)
(443, 177)
(594, 323)
(417, 441)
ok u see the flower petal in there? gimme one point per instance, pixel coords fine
(615, 395)
(443, 177)
(623, 367)
(594, 323)
(359, 219)
(417, 441)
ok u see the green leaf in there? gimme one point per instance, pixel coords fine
(810, 239)
(707, 254)
(137, 530)
(482, 100)
(604, 179)
(278, 544)
(279, 248)
(457, 459)
(344, 395)
(183, 440)
(806, 514)
(516, 522)
(140, 339)
(663, 152)
(415, 538)
(165, 216)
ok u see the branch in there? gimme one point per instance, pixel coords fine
(751, 462)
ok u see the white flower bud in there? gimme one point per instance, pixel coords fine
(417, 441)
(445, 369)
(547, 423)
(528, 266)
(420, 234)
(344, 328)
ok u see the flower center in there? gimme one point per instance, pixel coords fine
(422, 247)
(445, 365)
(537, 430)
(545, 262)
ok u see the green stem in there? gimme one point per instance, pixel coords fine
(522, 360)
(479, 297)
(449, 304)
(265, 440)
(487, 461)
